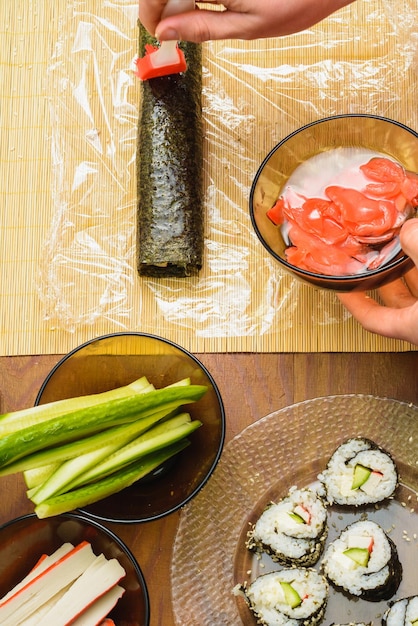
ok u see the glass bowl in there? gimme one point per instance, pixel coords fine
(24, 539)
(289, 447)
(117, 359)
(370, 134)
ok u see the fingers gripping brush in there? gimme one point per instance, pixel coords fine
(167, 58)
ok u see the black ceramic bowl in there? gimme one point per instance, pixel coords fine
(118, 359)
(368, 132)
(24, 539)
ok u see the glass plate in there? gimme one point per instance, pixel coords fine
(289, 447)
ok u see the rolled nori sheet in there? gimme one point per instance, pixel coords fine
(170, 169)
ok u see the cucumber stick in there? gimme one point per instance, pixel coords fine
(66, 451)
(156, 438)
(77, 467)
(107, 486)
(12, 422)
(82, 422)
(37, 475)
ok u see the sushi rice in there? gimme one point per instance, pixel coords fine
(403, 612)
(374, 581)
(338, 477)
(353, 624)
(293, 531)
(266, 599)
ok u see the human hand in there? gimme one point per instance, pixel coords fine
(238, 19)
(397, 317)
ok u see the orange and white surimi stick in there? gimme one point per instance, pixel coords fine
(167, 58)
(99, 578)
(40, 589)
(41, 565)
(96, 612)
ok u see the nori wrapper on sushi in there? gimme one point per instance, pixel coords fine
(401, 612)
(388, 588)
(264, 597)
(369, 583)
(291, 543)
(359, 454)
(170, 169)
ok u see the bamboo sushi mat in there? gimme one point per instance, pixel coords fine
(69, 109)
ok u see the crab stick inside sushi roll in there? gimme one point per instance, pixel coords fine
(359, 472)
(403, 612)
(293, 531)
(291, 597)
(363, 561)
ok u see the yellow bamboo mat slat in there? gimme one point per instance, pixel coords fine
(67, 177)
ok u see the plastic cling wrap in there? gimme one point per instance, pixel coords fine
(360, 60)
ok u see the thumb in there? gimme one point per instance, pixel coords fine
(409, 239)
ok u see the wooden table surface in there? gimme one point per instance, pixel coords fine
(252, 385)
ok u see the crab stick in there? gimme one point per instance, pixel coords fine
(98, 579)
(167, 58)
(42, 564)
(45, 585)
(99, 609)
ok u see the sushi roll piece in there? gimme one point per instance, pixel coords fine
(291, 597)
(358, 473)
(402, 612)
(363, 561)
(293, 531)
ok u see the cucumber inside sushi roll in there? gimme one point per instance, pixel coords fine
(403, 612)
(359, 472)
(363, 561)
(293, 531)
(292, 597)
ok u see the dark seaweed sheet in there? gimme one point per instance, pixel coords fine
(170, 170)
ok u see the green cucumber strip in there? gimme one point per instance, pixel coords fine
(65, 452)
(83, 422)
(37, 475)
(180, 383)
(360, 475)
(112, 484)
(292, 598)
(360, 556)
(156, 438)
(69, 471)
(12, 422)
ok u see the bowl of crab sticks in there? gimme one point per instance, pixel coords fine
(68, 569)
(127, 427)
(329, 200)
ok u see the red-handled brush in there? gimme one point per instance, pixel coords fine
(167, 58)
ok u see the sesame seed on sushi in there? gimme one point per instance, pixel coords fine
(363, 561)
(359, 472)
(291, 597)
(353, 624)
(403, 612)
(292, 531)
